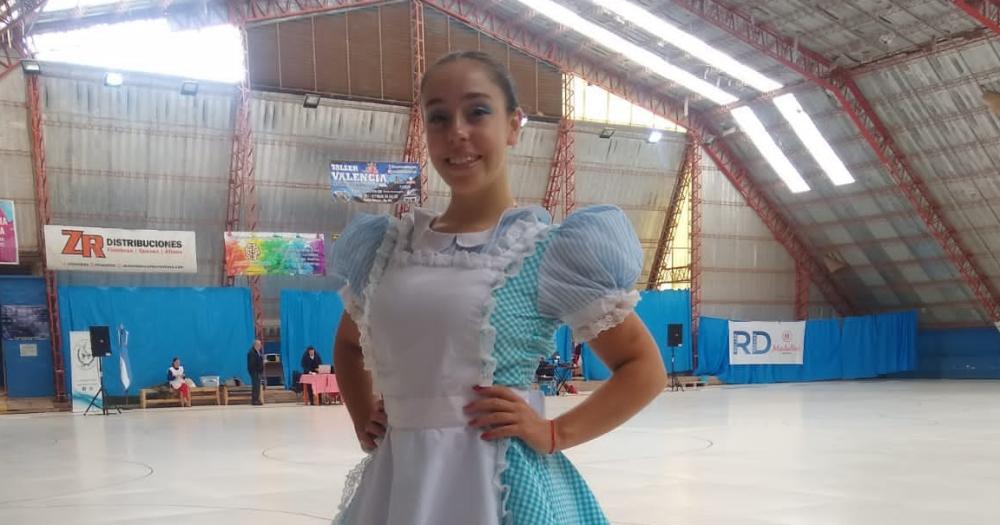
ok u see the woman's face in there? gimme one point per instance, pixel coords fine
(468, 126)
(312, 353)
(177, 363)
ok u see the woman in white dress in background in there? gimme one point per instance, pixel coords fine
(178, 381)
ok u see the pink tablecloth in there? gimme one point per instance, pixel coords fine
(321, 383)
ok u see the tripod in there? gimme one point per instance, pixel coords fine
(675, 383)
(100, 392)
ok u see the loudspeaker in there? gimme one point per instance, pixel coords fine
(100, 341)
(675, 335)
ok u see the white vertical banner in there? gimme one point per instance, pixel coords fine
(86, 379)
(767, 343)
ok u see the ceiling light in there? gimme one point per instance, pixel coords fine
(189, 88)
(689, 43)
(568, 18)
(113, 79)
(311, 101)
(31, 67)
(810, 136)
(654, 136)
(789, 107)
(606, 133)
(754, 130)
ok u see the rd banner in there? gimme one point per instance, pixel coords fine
(766, 343)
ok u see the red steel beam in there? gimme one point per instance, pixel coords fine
(256, 11)
(563, 166)
(15, 19)
(694, 162)
(569, 145)
(802, 283)
(658, 273)
(545, 48)
(44, 216)
(416, 145)
(986, 12)
(241, 212)
(816, 68)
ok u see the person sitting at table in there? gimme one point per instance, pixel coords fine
(310, 365)
(178, 381)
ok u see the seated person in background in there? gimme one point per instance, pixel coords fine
(310, 365)
(178, 381)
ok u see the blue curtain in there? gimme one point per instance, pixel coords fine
(656, 309)
(967, 353)
(862, 347)
(308, 319)
(210, 329)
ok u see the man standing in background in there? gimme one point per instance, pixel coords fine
(255, 365)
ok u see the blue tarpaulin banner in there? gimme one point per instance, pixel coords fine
(656, 309)
(375, 181)
(850, 348)
(209, 329)
(308, 319)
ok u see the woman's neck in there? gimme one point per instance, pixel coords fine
(475, 212)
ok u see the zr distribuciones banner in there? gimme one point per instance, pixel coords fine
(766, 343)
(262, 253)
(384, 182)
(87, 249)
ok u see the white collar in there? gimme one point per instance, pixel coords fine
(425, 238)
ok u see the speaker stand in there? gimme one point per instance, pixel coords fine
(100, 392)
(675, 383)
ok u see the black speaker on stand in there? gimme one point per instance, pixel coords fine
(675, 338)
(100, 347)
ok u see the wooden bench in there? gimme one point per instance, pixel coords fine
(231, 393)
(156, 396)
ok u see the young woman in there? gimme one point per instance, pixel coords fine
(177, 381)
(448, 314)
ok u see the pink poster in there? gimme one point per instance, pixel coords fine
(8, 236)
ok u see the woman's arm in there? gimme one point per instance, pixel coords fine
(637, 377)
(356, 384)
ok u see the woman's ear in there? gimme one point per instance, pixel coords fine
(517, 121)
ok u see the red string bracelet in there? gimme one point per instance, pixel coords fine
(552, 428)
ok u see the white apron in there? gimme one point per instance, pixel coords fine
(426, 316)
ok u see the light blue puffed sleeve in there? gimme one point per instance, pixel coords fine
(588, 272)
(354, 253)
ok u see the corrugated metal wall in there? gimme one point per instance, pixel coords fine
(144, 156)
(16, 180)
(138, 156)
(294, 148)
(746, 274)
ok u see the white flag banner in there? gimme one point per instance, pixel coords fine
(88, 249)
(86, 379)
(766, 343)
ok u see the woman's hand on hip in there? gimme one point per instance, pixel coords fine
(504, 414)
(374, 429)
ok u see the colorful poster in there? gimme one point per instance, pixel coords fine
(19, 321)
(263, 253)
(87, 249)
(767, 343)
(375, 181)
(8, 234)
(84, 373)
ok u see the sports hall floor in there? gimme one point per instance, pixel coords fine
(880, 452)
